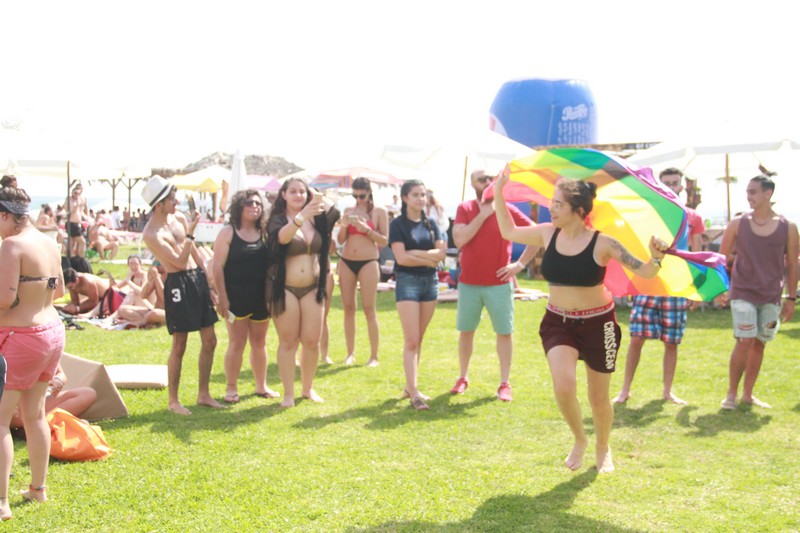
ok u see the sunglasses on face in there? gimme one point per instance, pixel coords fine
(360, 196)
(483, 179)
(252, 203)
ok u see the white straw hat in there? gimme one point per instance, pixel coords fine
(155, 190)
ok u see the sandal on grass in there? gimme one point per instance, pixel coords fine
(419, 404)
(231, 398)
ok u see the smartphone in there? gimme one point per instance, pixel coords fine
(231, 317)
(190, 201)
(352, 218)
(317, 196)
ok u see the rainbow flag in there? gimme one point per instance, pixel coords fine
(631, 206)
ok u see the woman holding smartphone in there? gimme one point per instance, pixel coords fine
(299, 236)
(240, 270)
(418, 246)
(363, 232)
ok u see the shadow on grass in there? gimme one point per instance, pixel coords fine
(638, 416)
(202, 418)
(549, 511)
(738, 420)
(796, 408)
(393, 413)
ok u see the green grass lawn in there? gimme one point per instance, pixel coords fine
(365, 461)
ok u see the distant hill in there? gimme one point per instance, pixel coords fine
(266, 165)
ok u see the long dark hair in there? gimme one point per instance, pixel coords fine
(404, 191)
(276, 285)
(237, 206)
(363, 184)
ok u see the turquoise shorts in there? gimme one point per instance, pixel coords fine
(498, 300)
(755, 321)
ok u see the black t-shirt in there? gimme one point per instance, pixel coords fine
(415, 236)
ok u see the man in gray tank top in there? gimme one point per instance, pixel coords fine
(762, 243)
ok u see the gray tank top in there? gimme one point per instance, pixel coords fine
(758, 267)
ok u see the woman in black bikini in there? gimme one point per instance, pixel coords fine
(579, 322)
(240, 268)
(363, 232)
(31, 337)
(298, 236)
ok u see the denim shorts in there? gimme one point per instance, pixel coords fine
(498, 300)
(416, 287)
(755, 321)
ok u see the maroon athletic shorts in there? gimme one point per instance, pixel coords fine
(593, 332)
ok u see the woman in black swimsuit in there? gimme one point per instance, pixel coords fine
(298, 236)
(363, 232)
(31, 337)
(579, 322)
(240, 269)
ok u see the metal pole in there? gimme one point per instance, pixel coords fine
(728, 184)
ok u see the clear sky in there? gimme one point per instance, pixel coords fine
(165, 83)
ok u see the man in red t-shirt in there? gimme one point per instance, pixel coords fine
(486, 280)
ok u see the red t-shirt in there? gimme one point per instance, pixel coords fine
(486, 252)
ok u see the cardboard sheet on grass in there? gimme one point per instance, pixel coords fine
(85, 373)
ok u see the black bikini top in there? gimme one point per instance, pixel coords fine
(52, 282)
(580, 270)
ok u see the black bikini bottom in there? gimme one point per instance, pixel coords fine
(356, 266)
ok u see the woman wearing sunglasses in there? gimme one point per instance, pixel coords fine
(240, 270)
(363, 232)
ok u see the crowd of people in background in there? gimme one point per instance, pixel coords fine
(275, 264)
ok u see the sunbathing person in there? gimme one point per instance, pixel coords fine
(101, 240)
(135, 276)
(75, 401)
(99, 298)
(144, 306)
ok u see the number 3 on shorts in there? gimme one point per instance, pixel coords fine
(176, 295)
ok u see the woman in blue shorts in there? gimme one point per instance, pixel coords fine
(580, 322)
(240, 270)
(418, 246)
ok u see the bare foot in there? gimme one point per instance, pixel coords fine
(326, 360)
(34, 495)
(287, 403)
(268, 393)
(755, 401)
(351, 359)
(210, 402)
(674, 399)
(622, 397)
(178, 409)
(5, 509)
(605, 463)
(313, 396)
(373, 362)
(575, 458)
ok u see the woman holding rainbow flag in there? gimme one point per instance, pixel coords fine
(580, 322)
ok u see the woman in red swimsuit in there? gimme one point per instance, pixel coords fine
(31, 337)
(579, 322)
(363, 232)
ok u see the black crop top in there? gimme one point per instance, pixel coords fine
(580, 270)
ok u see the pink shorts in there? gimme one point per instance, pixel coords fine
(32, 353)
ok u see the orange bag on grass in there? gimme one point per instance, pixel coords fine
(73, 439)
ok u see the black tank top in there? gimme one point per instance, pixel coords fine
(578, 270)
(246, 263)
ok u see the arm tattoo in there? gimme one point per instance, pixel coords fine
(625, 256)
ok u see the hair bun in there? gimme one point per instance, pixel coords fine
(592, 187)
